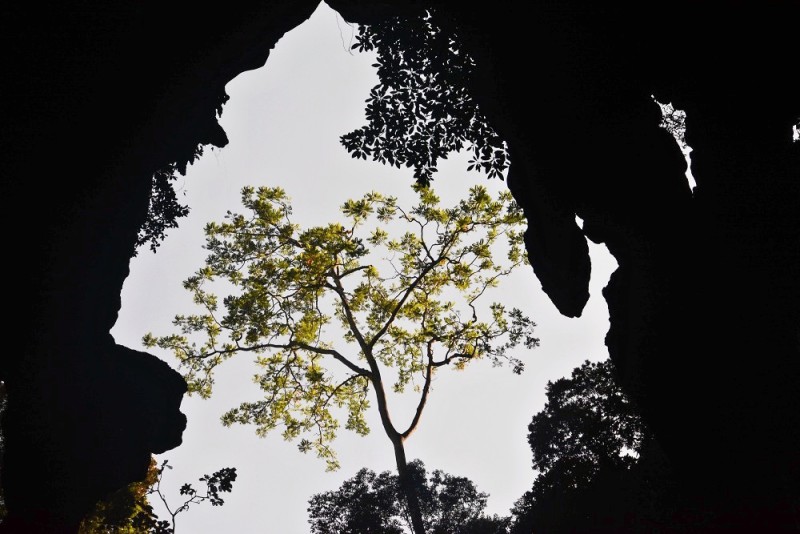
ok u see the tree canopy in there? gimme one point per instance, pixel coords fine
(330, 311)
(371, 503)
(587, 420)
(421, 109)
(587, 444)
(129, 511)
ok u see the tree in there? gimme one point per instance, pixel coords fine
(292, 287)
(367, 503)
(219, 482)
(373, 503)
(593, 454)
(587, 420)
(128, 510)
(421, 110)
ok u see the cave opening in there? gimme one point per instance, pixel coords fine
(283, 122)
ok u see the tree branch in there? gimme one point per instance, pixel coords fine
(458, 355)
(348, 313)
(289, 346)
(410, 289)
(424, 396)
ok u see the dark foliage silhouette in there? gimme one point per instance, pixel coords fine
(163, 211)
(421, 109)
(587, 420)
(129, 510)
(371, 503)
(599, 468)
(722, 259)
(218, 482)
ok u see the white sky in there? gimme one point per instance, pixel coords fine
(284, 121)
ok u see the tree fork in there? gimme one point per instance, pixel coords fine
(406, 484)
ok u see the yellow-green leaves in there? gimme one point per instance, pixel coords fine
(327, 317)
(377, 237)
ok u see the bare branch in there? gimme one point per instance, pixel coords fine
(348, 313)
(424, 396)
(287, 346)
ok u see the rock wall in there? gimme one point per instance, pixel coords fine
(705, 326)
(97, 97)
(705, 322)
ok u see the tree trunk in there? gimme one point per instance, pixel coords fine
(408, 487)
(406, 484)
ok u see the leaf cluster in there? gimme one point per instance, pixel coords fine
(326, 310)
(373, 503)
(164, 210)
(586, 446)
(219, 482)
(126, 511)
(587, 420)
(674, 121)
(421, 110)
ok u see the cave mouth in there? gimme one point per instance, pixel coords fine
(283, 123)
(724, 293)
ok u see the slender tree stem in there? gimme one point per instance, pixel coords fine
(408, 486)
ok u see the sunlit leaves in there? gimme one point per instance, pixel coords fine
(128, 510)
(325, 309)
(125, 511)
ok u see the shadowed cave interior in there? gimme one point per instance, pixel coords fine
(705, 326)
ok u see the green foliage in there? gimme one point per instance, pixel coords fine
(406, 301)
(373, 503)
(126, 511)
(421, 109)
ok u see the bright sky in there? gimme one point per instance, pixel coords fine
(284, 121)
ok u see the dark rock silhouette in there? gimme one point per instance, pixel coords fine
(97, 98)
(705, 322)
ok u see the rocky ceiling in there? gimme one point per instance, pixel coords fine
(705, 328)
